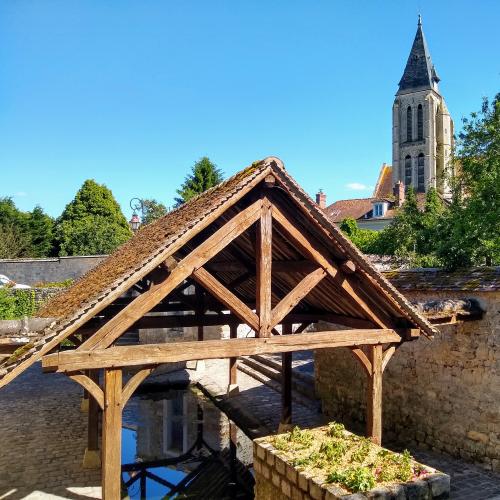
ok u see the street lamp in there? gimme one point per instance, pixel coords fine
(137, 205)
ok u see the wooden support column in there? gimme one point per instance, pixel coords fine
(84, 405)
(264, 262)
(286, 384)
(92, 457)
(374, 395)
(233, 363)
(112, 434)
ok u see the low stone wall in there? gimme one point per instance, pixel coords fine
(278, 480)
(32, 271)
(442, 394)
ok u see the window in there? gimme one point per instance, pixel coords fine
(378, 210)
(420, 173)
(408, 171)
(420, 123)
(409, 128)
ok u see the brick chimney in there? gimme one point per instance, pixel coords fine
(321, 199)
(399, 193)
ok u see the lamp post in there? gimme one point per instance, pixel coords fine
(137, 205)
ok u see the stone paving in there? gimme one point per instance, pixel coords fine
(43, 436)
(42, 439)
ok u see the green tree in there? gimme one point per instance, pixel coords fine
(204, 175)
(470, 232)
(41, 230)
(365, 239)
(24, 234)
(152, 210)
(92, 223)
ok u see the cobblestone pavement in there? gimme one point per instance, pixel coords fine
(42, 439)
(43, 433)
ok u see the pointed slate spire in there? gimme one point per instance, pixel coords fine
(419, 72)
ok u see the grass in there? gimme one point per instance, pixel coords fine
(351, 462)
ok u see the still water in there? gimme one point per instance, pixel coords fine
(178, 444)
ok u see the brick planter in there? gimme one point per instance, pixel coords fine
(277, 479)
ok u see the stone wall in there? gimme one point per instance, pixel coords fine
(32, 271)
(442, 394)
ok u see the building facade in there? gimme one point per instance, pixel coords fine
(422, 127)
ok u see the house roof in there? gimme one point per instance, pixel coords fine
(419, 72)
(355, 208)
(480, 279)
(383, 188)
(153, 244)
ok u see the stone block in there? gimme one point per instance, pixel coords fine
(297, 494)
(279, 465)
(286, 488)
(276, 479)
(270, 458)
(304, 481)
(291, 474)
(417, 490)
(439, 485)
(266, 471)
(315, 489)
(257, 466)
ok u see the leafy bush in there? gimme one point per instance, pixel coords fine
(16, 304)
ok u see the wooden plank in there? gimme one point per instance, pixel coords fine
(296, 295)
(116, 326)
(278, 267)
(374, 396)
(263, 258)
(111, 434)
(387, 356)
(152, 354)
(233, 303)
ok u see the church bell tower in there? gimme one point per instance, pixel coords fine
(422, 129)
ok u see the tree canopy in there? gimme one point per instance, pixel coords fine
(204, 175)
(152, 210)
(92, 223)
(24, 234)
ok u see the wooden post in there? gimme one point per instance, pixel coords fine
(112, 434)
(264, 263)
(374, 395)
(233, 363)
(92, 457)
(286, 384)
(199, 310)
(84, 405)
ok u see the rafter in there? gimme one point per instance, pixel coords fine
(296, 295)
(228, 298)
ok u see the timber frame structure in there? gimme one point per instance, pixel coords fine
(257, 251)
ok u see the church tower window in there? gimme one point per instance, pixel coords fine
(408, 171)
(409, 128)
(420, 122)
(420, 173)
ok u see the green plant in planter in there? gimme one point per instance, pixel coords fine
(333, 449)
(296, 439)
(336, 430)
(360, 479)
(362, 450)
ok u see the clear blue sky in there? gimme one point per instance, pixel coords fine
(131, 93)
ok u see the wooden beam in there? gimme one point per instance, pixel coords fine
(296, 295)
(116, 326)
(315, 253)
(374, 395)
(263, 257)
(278, 267)
(111, 434)
(233, 303)
(134, 382)
(233, 362)
(153, 354)
(363, 359)
(89, 385)
(388, 353)
(92, 459)
(286, 382)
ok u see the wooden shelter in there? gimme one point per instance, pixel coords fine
(259, 252)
